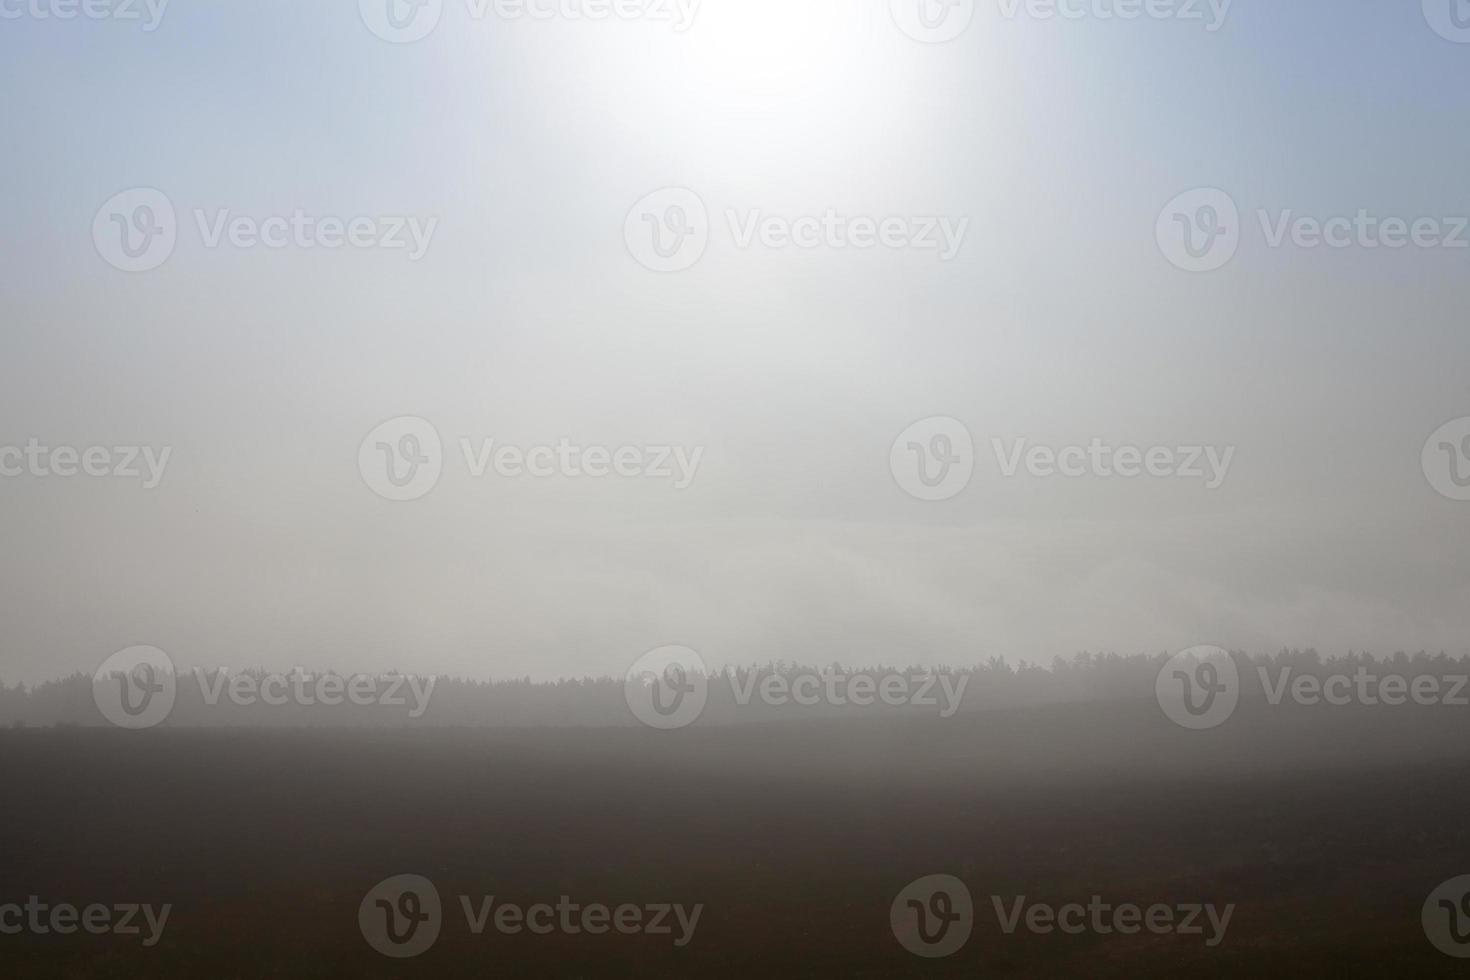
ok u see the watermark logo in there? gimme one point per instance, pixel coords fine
(299, 229)
(940, 234)
(1199, 231)
(859, 689)
(668, 230)
(329, 690)
(1449, 18)
(148, 13)
(36, 459)
(1103, 918)
(406, 21)
(401, 21)
(1208, 464)
(135, 688)
(1364, 687)
(932, 21)
(573, 918)
(571, 460)
(401, 916)
(1363, 229)
(64, 919)
(402, 459)
(1446, 459)
(1211, 13)
(1199, 688)
(933, 916)
(136, 230)
(1446, 917)
(667, 688)
(933, 459)
(671, 687)
(678, 13)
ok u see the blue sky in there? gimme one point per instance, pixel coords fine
(529, 321)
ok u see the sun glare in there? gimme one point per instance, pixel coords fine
(771, 48)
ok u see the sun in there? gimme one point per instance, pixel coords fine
(781, 48)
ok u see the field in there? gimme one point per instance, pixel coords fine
(1325, 829)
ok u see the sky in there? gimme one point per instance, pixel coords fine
(531, 154)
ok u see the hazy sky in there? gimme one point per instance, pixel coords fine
(529, 319)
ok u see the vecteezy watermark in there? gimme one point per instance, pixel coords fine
(40, 918)
(933, 459)
(669, 230)
(407, 21)
(1208, 464)
(919, 688)
(401, 21)
(402, 917)
(938, 21)
(1200, 230)
(299, 229)
(1211, 13)
(932, 21)
(1362, 230)
(1446, 917)
(1450, 19)
(146, 13)
(669, 688)
(934, 916)
(41, 461)
(1103, 918)
(1198, 688)
(1446, 459)
(830, 230)
(139, 687)
(678, 464)
(1365, 687)
(403, 459)
(136, 688)
(306, 689)
(573, 918)
(136, 230)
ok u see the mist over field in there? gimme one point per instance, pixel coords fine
(668, 488)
